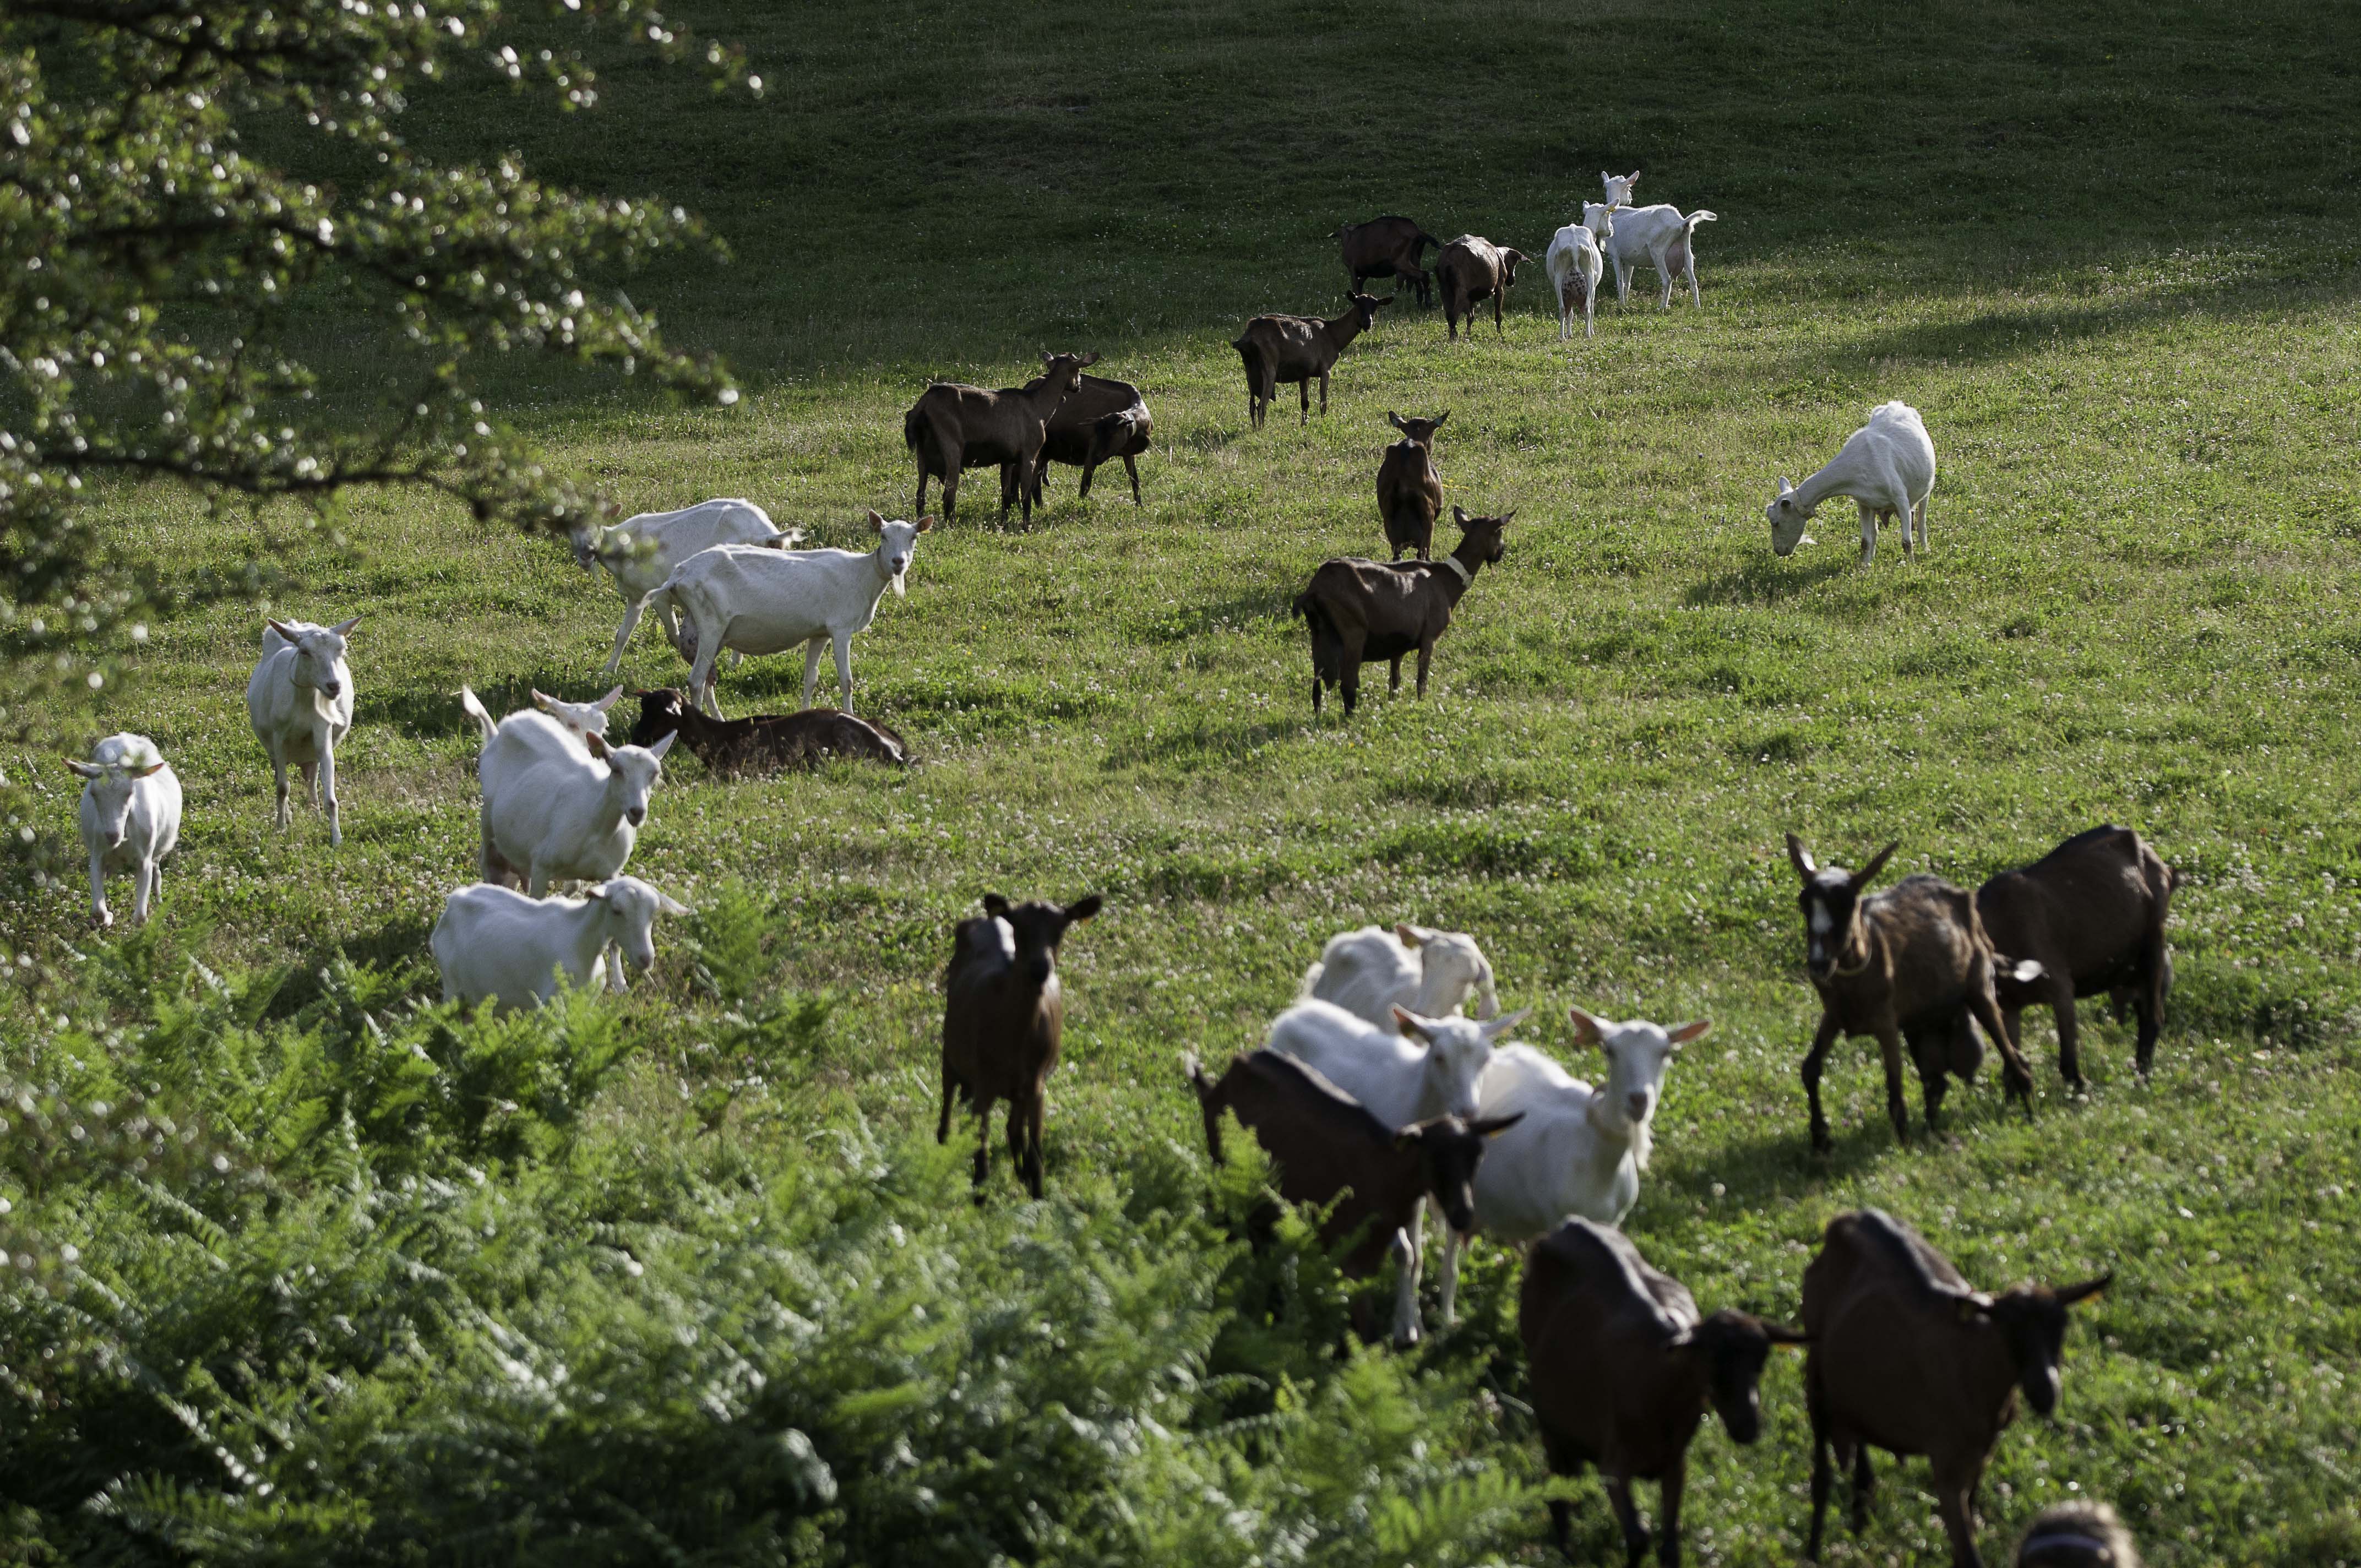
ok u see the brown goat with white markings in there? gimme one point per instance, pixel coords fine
(1470, 270)
(954, 426)
(1622, 1370)
(1004, 1021)
(761, 743)
(1905, 1356)
(1328, 1147)
(1360, 610)
(1913, 961)
(1388, 247)
(2091, 913)
(1281, 350)
(1410, 489)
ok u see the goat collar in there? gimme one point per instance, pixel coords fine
(1465, 576)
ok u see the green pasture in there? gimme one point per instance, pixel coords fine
(2108, 251)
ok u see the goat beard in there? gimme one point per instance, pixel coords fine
(899, 591)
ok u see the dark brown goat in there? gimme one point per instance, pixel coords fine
(1913, 961)
(1277, 350)
(2079, 1534)
(1003, 1016)
(952, 426)
(1906, 1356)
(2091, 913)
(1470, 270)
(1622, 1370)
(1388, 247)
(765, 741)
(1360, 610)
(1103, 421)
(1329, 1148)
(1410, 490)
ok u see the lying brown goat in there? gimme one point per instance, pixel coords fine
(764, 741)
(1102, 422)
(1360, 610)
(1905, 1356)
(1470, 270)
(1281, 350)
(1388, 247)
(953, 426)
(1003, 1018)
(2079, 1534)
(1329, 1148)
(1913, 961)
(2091, 913)
(1622, 1370)
(1410, 490)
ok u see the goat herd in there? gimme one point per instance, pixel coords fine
(1372, 1093)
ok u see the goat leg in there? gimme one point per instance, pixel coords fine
(1561, 1525)
(983, 1142)
(2013, 1078)
(943, 1123)
(2070, 1039)
(1889, 1050)
(1815, 1061)
(1303, 395)
(1033, 1141)
(1952, 1500)
(1815, 1406)
(1668, 1513)
(1425, 653)
(99, 914)
(1864, 1488)
(1394, 684)
(1132, 468)
(1627, 1514)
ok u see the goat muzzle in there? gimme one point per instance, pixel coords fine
(636, 814)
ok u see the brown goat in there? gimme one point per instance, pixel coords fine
(1410, 490)
(1360, 610)
(1906, 1356)
(952, 426)
(1102, 422)
(1003, 1018)
(1279, 350)
(1388, 247)
(2091, 913)
(764, 741)
(1472, 269)
(2079, 1534)
(1622, 1369)
(1913, 961)
(1330, 1148)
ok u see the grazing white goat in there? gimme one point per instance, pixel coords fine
(765, 601)
(1580, 1150)
(299, 700)
(496, 942)
(1658, 236)
(130, 819)
(1887, 466)
(1419, 1068)
(584, 720)
(1575, 263)
(1370, 972)
(559, 805)
(641, 552)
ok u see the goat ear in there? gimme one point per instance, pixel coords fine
(672, 906)
(661, 747)
(876, 520)
(87, 770)
(280, 626)
(1506, 517)
(1801, 858)
(344, 628)
(1089, 360)
(1493, 1126)
(2084, 1291)
(541, 699)
(1495, 1028)
(1973, 1305)
(1459, 515)
(1587, 1029)
(1444, 418)
(597, 744)
(994, 906)
(1411, 1025)
(604, 703)
(1785, 488)
(1688, 1031)
(1083, 909)
(1393, 419)
(923, 526)
(2025, 971)
(1780, 1334)
(1409, 935)
(150, 770)
(1876, 864)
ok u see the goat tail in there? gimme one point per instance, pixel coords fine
(914, 427)
(1424, 239)
(1311, 980)
(1208, 1101)
(1700, 216)
(473, 706)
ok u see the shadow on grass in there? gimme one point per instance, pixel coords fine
(1765, 580)
(1232, 614)
(424, 710)
(1200, 746)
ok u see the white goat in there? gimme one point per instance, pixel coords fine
(1579, 1150)
(1420, 1068)
(584, 720)
(1370, 972)
(765, 601)
(1657, 236)
(496, 942)
(559, 805)
(299, 700)
(1574, 264)
(1887, 466)
(641, 552)
(130, 819)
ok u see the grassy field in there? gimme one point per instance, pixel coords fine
(2107, 251)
